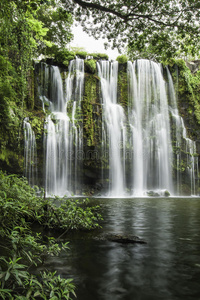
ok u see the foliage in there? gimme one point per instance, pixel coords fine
(58, 22)
(99, 56)
(145, 26)
(63, 56)
(90, 66)
(21, 247)
(122, 59)
(189, 85)
(81, 54)
(23, 285)
(91, 130)
(27, 29)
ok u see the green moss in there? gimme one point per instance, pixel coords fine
(31, 98)
(90, 66)
(187, 87)
(11, 160)
(99, 56)
(81, 54)
(123, 88)
(90, 115)
(37, 124)
(122, 59)
(64, 56)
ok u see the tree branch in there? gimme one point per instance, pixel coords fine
(126, 17)
(85, 5)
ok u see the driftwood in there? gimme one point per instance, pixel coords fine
(120, 238)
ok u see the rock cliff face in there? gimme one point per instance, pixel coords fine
(93, 171)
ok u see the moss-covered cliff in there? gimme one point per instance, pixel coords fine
(187, 87)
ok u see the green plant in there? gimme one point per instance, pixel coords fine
(90, 66)
(64, 56)
(99, 56)
(122, 59)
(12, 272)
(20, 208)
(18, 283)
(81, 54)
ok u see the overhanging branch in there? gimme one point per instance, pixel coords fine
(84, 4)
(126, 17)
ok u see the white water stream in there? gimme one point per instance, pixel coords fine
(144, 153)
(63, 140)
(30, 153)
(113, 125)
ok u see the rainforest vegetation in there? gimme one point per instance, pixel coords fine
(165, 31)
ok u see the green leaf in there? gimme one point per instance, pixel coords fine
(7, 276)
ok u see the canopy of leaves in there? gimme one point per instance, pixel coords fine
(27, 29)
(172, 25)
(58, 21)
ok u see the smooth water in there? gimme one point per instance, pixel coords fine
(167, 267)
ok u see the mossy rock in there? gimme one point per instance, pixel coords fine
(90, 66)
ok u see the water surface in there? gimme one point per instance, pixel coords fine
(167, 267)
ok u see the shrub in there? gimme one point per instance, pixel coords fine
(122, 59)
(82, 54)
(64, 56)
(90, 66)
(21, 247)
(99, 56)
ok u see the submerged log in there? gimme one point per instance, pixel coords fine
(120, 238)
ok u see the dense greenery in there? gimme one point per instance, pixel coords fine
(28, 28)
(22, 247)
(150, 28)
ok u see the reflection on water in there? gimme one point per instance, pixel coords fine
(167, 267)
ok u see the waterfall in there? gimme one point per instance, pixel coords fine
(182, 143)
(63, 139)
(143, 145)
(113, 126)
(30, 153)
(149, 122)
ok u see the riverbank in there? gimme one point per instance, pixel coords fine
(22, 247)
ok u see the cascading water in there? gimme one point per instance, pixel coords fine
(113, 126)
(143, 131)
(30, 153)
(145, 140)
(148, 117)
(182, 143)
(63, 140)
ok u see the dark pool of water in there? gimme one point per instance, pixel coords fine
(166, 268)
